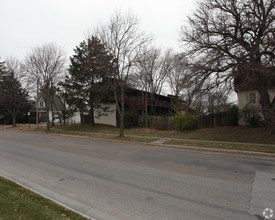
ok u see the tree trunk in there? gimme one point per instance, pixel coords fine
(52, 122)
(120, 108)
(272, 126)
(48, 119)
(65, 110)
(146, 110)
(92, 110)
(92, 116)
(47, 113)
(37, 97)
(91, 93)
(152, 103)
(268, 109)
(121, 125)
(52, 105)
(81, 117)
(13, 118)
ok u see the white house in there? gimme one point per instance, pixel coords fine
(250, 96)
(58, 106)
(109, 119)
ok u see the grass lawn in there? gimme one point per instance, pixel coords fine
(105, 136)
(243, 147)
(17, 202)
(198, 138)
(233, 134)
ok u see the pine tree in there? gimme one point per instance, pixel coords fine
(86, 83)
(12, 95)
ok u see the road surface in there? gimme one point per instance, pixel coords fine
(109, 180)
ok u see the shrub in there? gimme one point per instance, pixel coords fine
(184, 121)
(233, 116)
(130, 119)
(250, 115)
(141, 121)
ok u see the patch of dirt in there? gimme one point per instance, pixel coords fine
(22, 127)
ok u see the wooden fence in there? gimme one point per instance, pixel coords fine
(213, 120)
(161, 122)
(203, 121)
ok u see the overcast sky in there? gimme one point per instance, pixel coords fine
(30, 23)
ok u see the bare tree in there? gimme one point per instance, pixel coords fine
(210, 101)
(180, 79)
(202, 98)
(44, 66)
(177, 77)
(124, 40)
(234, 39)
(153, 67)
(14, 64)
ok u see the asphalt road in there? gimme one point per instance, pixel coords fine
(108, 180)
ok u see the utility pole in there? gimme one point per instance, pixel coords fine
(37, 104)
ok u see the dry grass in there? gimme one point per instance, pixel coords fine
(23, 127)
(230, 146)
(232, 134)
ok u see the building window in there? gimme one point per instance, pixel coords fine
(252, 97)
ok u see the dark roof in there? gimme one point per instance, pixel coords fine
(57, 103)
(242, 83)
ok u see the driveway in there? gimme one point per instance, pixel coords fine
(107, 180)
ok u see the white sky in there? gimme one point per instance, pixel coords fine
(26, 24)
(30, 23)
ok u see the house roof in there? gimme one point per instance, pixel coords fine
(56, 105)
(241, 83)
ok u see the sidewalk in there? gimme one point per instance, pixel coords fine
(161, 142)
(191, 144)
(168, 139)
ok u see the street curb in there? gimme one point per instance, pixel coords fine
(178, 147)
(218, 150)
(79, 208)
(168, 146)
(168, 138)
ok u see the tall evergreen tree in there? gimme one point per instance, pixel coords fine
(12, 95)
(86, 82)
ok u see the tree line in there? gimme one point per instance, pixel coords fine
(225, 40)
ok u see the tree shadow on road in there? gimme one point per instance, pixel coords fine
(260, 217)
